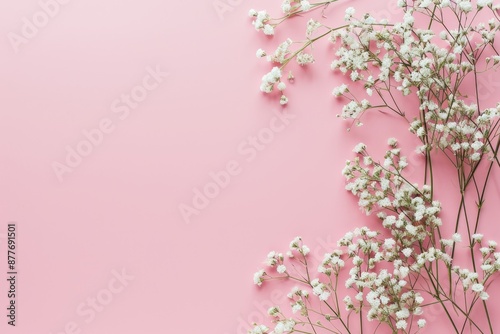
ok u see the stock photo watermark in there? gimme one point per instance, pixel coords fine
(121, 109)
(31, 26)
(247, 150)
(89, 309)
(222, 7)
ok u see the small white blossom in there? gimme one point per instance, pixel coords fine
(483, 3)
(401, 324)
(407, 252)
(465, 6)
(349, 12)
(258, 277)
(477, 237)
(281, 269)
(286, 7)
(342, 89)
(268, 29)
(260, 53)
(305, 5)
(324, 295)
(359, 148)
(273, 311)
(478, 287)
(283, 100)
(259, 329)
(425, 3)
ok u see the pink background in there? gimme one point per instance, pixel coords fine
(119, 209)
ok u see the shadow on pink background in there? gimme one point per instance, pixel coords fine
(103, 247)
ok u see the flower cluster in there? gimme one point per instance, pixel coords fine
(460, 129)
(435, 54)
(413, 215)
(385, 292)
(384, 265)
(270, 79)
(261, 21)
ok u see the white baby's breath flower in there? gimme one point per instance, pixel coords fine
(408, 18)
(349, 12)
(312, 26)
(268, 29)
(401, 324)
(359, 148)
(477, 237)
(478, 287)
(486, 267)
(304, 58)
(270, 79)
(477, 145)
(403, 313)
(446, 242)
(340, 90)
(456, 237)
(273, 311)
(425, 3)
(295, 243)
(305, 5)
(465, 6)
(296, 307)
(392, 142)
(485, 251)
(484, 295)
(258, 277)
(283, 100)
(389, 243)
(286, 7)
(324, 295)
(259, 329)
(407, 252)
(475, 156)
(411, 229)
(483, 3)
(355, 76)
(456, 147)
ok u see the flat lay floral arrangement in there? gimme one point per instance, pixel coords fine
(383, 280)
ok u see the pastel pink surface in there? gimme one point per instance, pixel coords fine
(119, 209)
